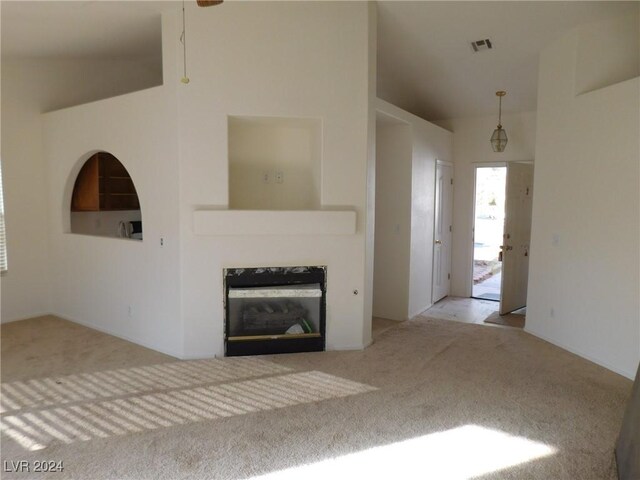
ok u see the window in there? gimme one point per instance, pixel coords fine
(3, 238)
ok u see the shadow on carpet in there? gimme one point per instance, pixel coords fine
(509, 320)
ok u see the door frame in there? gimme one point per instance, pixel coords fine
(471, 247)
(433, 240)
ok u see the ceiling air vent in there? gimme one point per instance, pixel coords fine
(480, 45)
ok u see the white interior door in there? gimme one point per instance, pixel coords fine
(442, 232)
(516, 237)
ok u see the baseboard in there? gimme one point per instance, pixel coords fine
(36, 315)
(628, 374)
(163, 350)
(391, 319)
(118, 335)
(204, 356)
(345, 348)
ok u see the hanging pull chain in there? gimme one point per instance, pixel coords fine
(183, 40)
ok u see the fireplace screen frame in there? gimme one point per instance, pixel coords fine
(255, 283)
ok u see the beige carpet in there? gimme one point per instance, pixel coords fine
(509, 320)
(429, 399)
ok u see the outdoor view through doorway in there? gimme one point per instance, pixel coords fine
(488, 229)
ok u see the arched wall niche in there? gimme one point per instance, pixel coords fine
(101, 198)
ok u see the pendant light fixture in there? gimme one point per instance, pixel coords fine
(499, 138)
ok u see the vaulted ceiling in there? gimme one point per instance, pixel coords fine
(426, 64)
(78, 29)
(425, 61)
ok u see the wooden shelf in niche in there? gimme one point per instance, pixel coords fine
(104, 184)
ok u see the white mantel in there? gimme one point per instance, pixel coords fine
(270, 222)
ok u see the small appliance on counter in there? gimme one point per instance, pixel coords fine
(135, 229)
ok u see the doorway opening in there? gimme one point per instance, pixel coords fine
(488, 229)
(105, 201)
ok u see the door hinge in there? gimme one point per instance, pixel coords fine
(448, 276)
(450, 228)
(452, 181)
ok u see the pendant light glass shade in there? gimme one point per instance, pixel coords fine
(499, 138)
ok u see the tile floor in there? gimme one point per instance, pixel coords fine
(458, 309)
(467, 310)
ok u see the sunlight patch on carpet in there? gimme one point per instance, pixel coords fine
(460, 453)
(113, 383)
(36, 430)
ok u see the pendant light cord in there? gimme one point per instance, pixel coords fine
(499, 111)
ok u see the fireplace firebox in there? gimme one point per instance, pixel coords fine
(274, 310)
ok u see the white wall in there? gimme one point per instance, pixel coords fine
(394, 148)
(274, 163)
(96, 280)
(25, 285)
(603, 59)
(290, 59)
(429, 143)
(30, 87)
(470, 146)
(128, 288)
(584, 275)
(367, 326)
(175, 145)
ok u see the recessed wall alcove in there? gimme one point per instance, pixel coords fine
(104, 201)
(275, 177)
(274, 163)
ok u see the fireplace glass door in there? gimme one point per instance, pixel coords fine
(278, 312)
(274, 310)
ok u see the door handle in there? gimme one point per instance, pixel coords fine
(508, 247)
(438, 242)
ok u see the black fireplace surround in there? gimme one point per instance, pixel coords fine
(274, 310)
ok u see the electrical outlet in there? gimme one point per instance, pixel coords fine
(279, 177)
(265, 177)
(130, 311)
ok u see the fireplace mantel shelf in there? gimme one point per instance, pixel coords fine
(271, 222)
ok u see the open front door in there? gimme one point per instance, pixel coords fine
(516, 237)
(442, 232)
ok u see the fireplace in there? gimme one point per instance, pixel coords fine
(274, 310)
